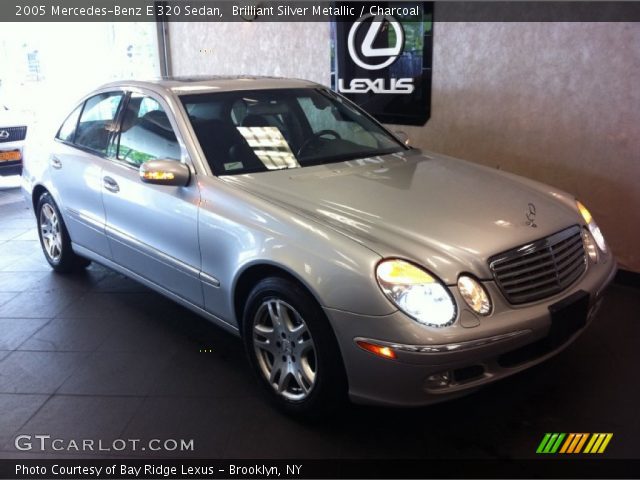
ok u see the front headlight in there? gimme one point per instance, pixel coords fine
(474, 294)
(417, 293)
(592, 226)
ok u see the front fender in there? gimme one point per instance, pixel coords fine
(238, 231)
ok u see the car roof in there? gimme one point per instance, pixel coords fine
(201, 84)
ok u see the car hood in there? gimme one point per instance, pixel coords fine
(11, 118)
(444, 213)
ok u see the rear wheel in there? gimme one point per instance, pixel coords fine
(54, 237)
(292, 348)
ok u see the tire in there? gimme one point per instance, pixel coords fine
(54, 237)
(285, 329)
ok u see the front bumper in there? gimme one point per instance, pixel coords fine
(472, 352)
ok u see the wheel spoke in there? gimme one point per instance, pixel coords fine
(47, 211)
(275, 369)
(304, 346)
(303, 380)
(266, 345)
(274, 313)
(264, 331)
(283, 381)
(298, 332)
(287, 321)
(284, 349)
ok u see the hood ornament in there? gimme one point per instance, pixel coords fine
(531, 215)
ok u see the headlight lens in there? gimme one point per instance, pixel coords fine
(417, 293)
(474, 294)
(592, 226)
(590, 245)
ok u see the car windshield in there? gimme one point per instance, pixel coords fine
(256, 131)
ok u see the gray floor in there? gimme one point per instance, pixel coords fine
(97, 356)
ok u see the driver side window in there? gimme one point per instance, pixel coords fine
(146, 132)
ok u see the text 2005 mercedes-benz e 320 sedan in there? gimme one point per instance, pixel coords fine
(346, 261)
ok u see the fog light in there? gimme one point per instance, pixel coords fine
(590, 246)
(439, 380)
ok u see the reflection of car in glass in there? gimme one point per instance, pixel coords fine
(345, 260)
(13, 133)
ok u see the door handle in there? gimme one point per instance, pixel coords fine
(110, 184)
(55, 162)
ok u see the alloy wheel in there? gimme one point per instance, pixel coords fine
(50, 231)
(284, 349)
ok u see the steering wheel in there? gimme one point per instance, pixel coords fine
(315, 136)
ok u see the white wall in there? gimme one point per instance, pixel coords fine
(298, 50)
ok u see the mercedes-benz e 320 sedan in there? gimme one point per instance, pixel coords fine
(345, 260)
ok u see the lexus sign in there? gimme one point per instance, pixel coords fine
(383, 62)
(367, 50)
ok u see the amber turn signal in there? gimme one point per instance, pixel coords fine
(379, 350)
(155, 175)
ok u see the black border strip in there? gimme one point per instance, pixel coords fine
(182, 11)
(556, 466)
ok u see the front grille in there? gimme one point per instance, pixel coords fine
(12, 134)
(540, 269)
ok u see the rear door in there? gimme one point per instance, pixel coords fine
(152, 229)
(82, 145)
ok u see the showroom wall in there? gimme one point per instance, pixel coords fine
(557, 102)
(299, 50)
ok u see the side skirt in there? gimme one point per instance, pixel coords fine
(154, 286)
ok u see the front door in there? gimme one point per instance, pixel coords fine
(152, 229)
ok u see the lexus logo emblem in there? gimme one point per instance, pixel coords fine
(531, 215)
(4, 134)
(367, 50)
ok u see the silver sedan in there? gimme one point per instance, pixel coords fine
(348, 262)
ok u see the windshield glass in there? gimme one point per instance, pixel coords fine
(256, 131)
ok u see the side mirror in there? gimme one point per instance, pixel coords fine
(165, 172)
(402, 136)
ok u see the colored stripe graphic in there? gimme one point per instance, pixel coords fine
(573, 443)
(598, 442)
(608, 438)
(556, 445)
(544, 441)
(581, 443)
(567, 442)
(572, 448)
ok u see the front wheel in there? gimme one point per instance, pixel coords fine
(292, 348)
(54, 237)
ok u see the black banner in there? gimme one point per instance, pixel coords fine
(308, 11)
(300, 469)
(382, 62)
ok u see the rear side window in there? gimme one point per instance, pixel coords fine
(67, 131)
(146, 132)
(98, 121)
